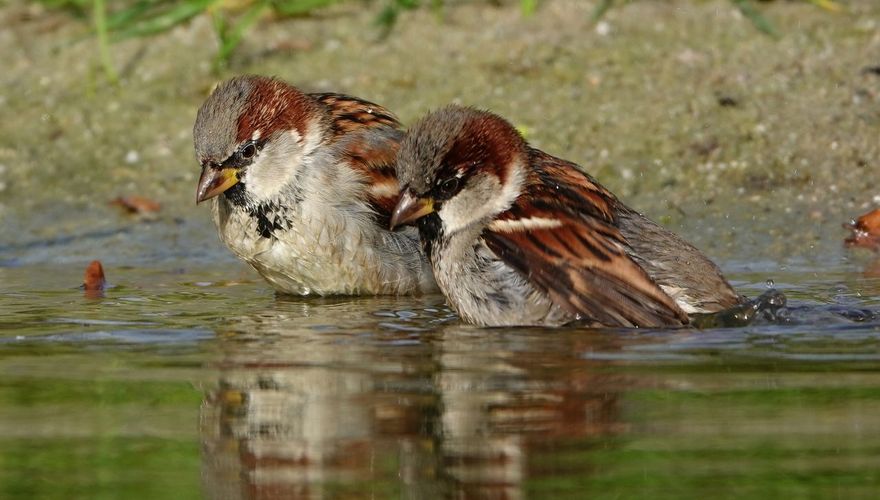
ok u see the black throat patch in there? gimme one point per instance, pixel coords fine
(270, 217)
(237, 195)
(430, 232)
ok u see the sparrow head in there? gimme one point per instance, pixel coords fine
(462, 164)
(251, 136)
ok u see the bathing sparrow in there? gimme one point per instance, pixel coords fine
(302, 187)
(518, 237)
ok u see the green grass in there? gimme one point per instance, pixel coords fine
(748, 8)
(232, 19)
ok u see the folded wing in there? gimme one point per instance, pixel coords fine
(370, 137)
(562, 237)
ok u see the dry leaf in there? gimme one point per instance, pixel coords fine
(137, 204)
(94, 278)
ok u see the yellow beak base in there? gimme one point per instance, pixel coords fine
(214, 181)
(410, 209)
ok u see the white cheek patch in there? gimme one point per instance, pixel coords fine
(280, 161)
(527, 224)
(515, 179)
(482, 198)
(274, 167)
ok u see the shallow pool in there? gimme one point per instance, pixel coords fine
(190, 381)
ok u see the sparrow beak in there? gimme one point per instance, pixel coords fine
(410, 209)
(215, 181)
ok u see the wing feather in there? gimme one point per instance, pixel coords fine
(349, 113)
(580, 261)
(369, 137)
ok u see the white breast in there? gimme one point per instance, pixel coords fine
(485, 291)
(326, 252)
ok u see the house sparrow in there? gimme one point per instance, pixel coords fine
(518, 237)
(303, 186)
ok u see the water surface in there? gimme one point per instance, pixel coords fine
(186, 382)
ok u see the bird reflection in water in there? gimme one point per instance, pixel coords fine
(398, 402)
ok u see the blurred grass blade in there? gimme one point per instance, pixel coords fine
(437, 7)
(752, 14)
(219, 23)
(387, 17)
(165, 20)
(128, 16)
(99, 13)
(829, 5)
(300, 7)
(601, 9)
(528, 7)
(231, 37)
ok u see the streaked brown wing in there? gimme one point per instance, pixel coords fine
(563, 239)
(374, 156)
(555, 184)
(351, 113)
(369, 136)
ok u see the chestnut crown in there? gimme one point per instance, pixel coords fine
(447, 147)
(247, 108)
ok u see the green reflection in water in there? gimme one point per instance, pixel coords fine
(187, 386)
(99, 466)
(101, 438)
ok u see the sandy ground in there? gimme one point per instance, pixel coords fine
(755, 148)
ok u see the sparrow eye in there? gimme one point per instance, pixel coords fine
(448, 187)
(248, 151)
